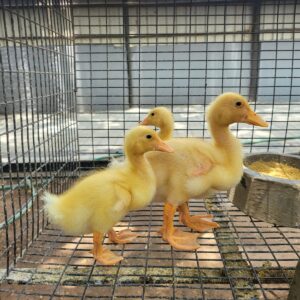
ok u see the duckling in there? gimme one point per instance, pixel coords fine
(223, 166)
(162, 118)
(97, 202)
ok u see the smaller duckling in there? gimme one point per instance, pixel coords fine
(97, 202)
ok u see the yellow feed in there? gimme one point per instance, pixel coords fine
(276, 169)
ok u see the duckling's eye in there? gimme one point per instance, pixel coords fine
(152, 114)
(148, 136)
(238, 104)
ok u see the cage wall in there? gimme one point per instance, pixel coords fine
(38, 134)
(130, 56)
(133, 55)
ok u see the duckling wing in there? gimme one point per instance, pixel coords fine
(123, 200)
(203, 166)
(197, 154)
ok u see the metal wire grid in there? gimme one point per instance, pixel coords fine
(38, 137)
(247, 257)
(133, 55)
(244, 259)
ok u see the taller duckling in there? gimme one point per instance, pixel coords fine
(220, 164)
(97, 202)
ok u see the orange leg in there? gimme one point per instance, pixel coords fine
(121, 237)
(198, 223)
(102, 254)
(178, 239)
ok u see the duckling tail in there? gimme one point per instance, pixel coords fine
(50, 201)
(49, 198)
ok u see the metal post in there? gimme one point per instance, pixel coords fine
(128, 50)
(255, 50)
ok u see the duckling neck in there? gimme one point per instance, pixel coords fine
(139, 163)
(166, 131)
(224, 139)
(221, 135)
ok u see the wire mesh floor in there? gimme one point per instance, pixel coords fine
(244, 259)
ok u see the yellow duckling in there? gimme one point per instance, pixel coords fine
(97, 202)
(162, 118)
(219, 161)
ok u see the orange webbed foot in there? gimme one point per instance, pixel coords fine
(106, 257)
(102, 254)
(181, 240)
(178, 239)
(199, 223)
(182, 216)
(122, 237)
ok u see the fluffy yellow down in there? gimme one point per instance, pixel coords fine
(98, 201)
(173, 171)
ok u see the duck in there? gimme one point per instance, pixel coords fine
(162, 118)
(198, 168)
(95, 203)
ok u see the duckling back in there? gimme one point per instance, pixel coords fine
(99, 201)
(91, 204)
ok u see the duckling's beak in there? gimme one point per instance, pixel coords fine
(161, 146)
(253, 119)
(145, 122)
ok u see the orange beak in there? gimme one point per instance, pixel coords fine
(145, 122)
(161, 146)
(253, 119)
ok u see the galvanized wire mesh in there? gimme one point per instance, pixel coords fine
(38, 134)
(244, 259)
(133, 55)
(130, 56)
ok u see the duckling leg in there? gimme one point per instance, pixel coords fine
(121, 237)
(178, 239)
(102, 254)
(198, 223)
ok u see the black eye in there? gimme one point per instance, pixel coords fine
(152, 114)
(148, 136)
(239, 103)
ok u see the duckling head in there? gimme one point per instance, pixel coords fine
(142, 139)
(229, 108)
(159, 117)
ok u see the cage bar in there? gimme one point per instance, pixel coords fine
(39, 146)
(76, 75)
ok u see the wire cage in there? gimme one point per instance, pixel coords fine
(75, 75)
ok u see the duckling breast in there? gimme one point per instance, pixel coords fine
(221, 178)
(142, 196)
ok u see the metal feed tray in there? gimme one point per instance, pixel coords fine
(267, 198)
